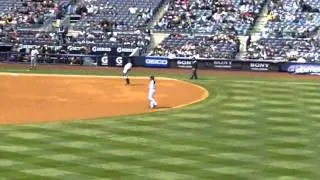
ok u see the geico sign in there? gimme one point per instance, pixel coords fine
(73, 48)
(182, 62)
(156, 61)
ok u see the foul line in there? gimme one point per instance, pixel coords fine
(204, 96)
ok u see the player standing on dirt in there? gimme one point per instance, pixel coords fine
(152, 91)
(33, 57)
(126, 70)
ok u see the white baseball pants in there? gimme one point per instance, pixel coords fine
(153, 102)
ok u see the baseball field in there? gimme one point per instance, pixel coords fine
(251, 126)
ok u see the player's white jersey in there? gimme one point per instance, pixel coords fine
(152, 90)
(152, 85)
(127, 67)
(34, 53)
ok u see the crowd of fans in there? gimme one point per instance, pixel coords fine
(94, 7)
(216, 46)
(50, 43)
(122, 15)
(293, 18)
(31, 13)
(61, 38)
(138, 38)
(35, 37)
(290, 33)
(289, 49)
(211, 16)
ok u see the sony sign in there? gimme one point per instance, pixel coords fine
(259, 66)
(184, 64)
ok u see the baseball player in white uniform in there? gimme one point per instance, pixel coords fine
(33, 57)
(126, 70)
(152, 91)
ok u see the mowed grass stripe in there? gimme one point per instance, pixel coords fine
(312, 126)
(246, 130)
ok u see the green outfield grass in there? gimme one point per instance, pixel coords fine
(254, 129)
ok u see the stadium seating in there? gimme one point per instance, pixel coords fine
(120, 39)
(30, 13)
(290, 32)
(207, 16)
(115, 39)
(124, 14)
(216, 46)
(288, 18)
(285, 48)
(11, 32)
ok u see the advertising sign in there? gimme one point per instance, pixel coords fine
(223, 64)
(162, 62)
(304, 68)
(184, 63)
(259, 66)
(104, 61)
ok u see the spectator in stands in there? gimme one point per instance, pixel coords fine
(70, 9)
(133, 10)
(316, 57)
(82, 10)
(248, 42)
(292, 55)
(45, 50)
(92, 9)
(306, 7)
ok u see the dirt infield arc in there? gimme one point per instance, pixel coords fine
(33, 98)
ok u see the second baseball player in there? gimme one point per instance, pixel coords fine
(152, 91)
(126, 70)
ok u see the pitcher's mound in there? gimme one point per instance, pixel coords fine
(30, 98)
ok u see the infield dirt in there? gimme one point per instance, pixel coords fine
(30, 98)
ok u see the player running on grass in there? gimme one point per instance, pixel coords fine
(152, 91)
(126, 70)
